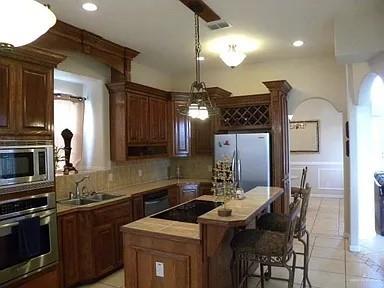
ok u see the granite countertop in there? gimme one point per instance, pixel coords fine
(126, 193)
(243, 211)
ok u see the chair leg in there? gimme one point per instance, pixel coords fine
(262, 275)
(291, 271)
(306, 259)
(268, 274)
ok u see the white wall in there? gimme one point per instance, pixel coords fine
(151, 77)
(325, 169)
(309, 77)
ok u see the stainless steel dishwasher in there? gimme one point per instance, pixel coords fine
(156, 202)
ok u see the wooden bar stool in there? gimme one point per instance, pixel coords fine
(277, 222)
(264, 247)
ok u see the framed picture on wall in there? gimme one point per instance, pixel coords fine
(304, 136)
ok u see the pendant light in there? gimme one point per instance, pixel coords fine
(199, 105)
(232, 57)
(23, 21)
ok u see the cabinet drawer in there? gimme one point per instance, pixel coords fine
(110, 213)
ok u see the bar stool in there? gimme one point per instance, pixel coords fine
(296, 191)
(268, 248)
(277, 222)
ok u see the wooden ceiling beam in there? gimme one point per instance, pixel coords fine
(202, 9)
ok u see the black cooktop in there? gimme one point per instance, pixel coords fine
(188, 212)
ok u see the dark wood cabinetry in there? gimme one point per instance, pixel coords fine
(26, 92)
(139, 121)
(202, 137)
(181, 128)
(91, 243)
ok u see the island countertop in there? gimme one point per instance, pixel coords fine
(243, 212)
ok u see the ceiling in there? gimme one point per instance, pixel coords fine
(162, 30)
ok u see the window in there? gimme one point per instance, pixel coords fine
(69, 114)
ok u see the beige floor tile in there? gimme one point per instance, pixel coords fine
(254, 282)
(326, 280)
(367, 270)
(329, 253)
(355, 282)
(116, 279)
(329, 242)
(327, 265)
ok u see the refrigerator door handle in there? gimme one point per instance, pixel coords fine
(234, 167)
(239, 171)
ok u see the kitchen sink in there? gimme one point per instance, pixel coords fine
(77, 202)
(94, 198)
(102, 196)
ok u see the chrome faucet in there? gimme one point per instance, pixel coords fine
(77, 193)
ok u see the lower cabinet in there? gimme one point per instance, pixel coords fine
(91, 243)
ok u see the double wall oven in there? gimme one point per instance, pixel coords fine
(28, 221)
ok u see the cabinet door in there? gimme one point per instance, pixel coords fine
(137, 119)
(181, 131)
(205, 189)
(69, 250)
(158, 120)
(105, 248)
(36, 100)
(173, 195)
(138, 207)
(8, 96)
(202, 137)
(119, 238)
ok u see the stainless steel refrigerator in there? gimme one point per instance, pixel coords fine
(249, 155)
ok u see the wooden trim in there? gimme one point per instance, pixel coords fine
(34, 55)
(202, 9)
(239, 101)
(66, 37)
(140, 89)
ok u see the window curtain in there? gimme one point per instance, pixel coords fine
(69, 114)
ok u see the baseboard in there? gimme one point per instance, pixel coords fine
(327, 196)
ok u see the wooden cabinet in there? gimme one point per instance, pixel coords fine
(7, 96)
(36, 117)
(202, 136)
(138, 207)
(139, 121)
(158, 120)
(91, 242)
(26, 93)
(205, 189)
(181, 125)
(174, 195)
(69, 262)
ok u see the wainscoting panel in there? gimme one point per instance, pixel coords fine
(326, 178)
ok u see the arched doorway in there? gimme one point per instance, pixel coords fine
(370, 153)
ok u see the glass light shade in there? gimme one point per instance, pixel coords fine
(232, 57)
(203, 113)
(23, 21)
(193, 111)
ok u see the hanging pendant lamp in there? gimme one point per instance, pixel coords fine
(23, 21)
(199, 105)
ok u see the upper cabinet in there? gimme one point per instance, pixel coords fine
(139, 121)
(181, 127)
(26, 93)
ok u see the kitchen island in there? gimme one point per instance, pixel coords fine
(165, 251)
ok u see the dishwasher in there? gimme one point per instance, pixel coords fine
(156, 202)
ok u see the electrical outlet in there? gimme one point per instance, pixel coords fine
(160, 269)
(209, 168)
(110, 177)
(140, 172)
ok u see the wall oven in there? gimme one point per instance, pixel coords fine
(28, 236)
(26, 164)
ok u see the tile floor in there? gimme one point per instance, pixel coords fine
(331, 265)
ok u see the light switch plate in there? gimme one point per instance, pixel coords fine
(160, 269)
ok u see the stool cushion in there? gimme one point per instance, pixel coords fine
(259, 242)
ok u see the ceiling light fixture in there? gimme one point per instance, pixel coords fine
(298, 43)
(90, 7)
(199, 104)
(232, 57)
(23, 21)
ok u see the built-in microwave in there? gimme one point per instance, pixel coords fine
(23, 164)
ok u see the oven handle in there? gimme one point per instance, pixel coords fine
(14, 221)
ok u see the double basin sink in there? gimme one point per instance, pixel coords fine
(94, 198)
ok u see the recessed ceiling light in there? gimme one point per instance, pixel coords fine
(200, 58)
(298, 43)
(89, 6)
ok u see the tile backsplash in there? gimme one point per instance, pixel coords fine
(119, 176)
(136, 172)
